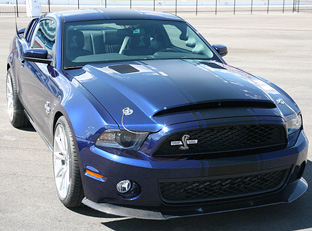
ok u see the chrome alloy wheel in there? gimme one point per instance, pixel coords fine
(61, 161)
(9, 96)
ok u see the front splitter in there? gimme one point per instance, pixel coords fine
(292, 192)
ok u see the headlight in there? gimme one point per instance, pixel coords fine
(121, 139)
(294, 124)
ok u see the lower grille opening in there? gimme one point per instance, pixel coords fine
(206, 189)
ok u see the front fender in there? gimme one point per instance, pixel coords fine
(86, 117)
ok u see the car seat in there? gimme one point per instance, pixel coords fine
(75, 45)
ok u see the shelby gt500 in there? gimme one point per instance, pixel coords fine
(145, 119)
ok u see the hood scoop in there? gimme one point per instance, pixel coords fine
(217, 104)
(124, 68)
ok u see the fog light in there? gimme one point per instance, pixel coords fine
(124, 186)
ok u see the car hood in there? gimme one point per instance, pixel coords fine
(163, 92)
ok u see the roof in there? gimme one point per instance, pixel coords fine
(100, 14)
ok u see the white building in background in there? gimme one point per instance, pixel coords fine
(33, 8)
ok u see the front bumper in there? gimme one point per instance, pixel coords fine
(289, 194)
(102, 195)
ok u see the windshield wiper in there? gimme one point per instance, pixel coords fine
(197, 58)
(72, 68)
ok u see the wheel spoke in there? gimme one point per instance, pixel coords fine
(9, 94)
(9, 97)
(10, 114)
(64, 180)
(10, 104)
(59, 156)
(9, 87)
(60, 130)
(61, 171)
(63, 139)
(61, 147)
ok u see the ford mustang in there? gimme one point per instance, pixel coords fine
(145, 119)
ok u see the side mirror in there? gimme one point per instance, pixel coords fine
(221, 49)
(37, 56)
(21, 31)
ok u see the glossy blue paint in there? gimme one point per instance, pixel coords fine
(35, 53)
(92, 99)
(140, 90)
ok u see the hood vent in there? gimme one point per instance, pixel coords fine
(213, 65)
(124, 68)
(218, 104)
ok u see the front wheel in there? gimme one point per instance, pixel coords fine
(66, 165)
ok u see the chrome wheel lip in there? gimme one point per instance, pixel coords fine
(61, 162)
(9, 96)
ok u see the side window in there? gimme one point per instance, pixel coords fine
(30, 29)
(44, 36)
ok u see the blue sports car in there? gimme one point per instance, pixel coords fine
(145, 119)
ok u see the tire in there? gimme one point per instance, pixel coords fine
(66, 165)
(15, 109)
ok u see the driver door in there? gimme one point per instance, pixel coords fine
(34, 76)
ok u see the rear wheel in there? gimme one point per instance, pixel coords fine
(66, 165)
(15, 108)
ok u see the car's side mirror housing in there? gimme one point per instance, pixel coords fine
(37, 55)
(221, 49)
(21, 31)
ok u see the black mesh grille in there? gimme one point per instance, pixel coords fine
(175, 191)
(227, 139)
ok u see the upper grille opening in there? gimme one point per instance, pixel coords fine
(226, 139)
(217, 104)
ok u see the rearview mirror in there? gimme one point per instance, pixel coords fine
(37, 55)
(221, 49)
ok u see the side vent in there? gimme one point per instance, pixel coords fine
(124, 68)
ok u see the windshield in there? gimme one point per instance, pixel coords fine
(122, 40)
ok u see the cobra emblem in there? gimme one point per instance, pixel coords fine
(184, 142)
